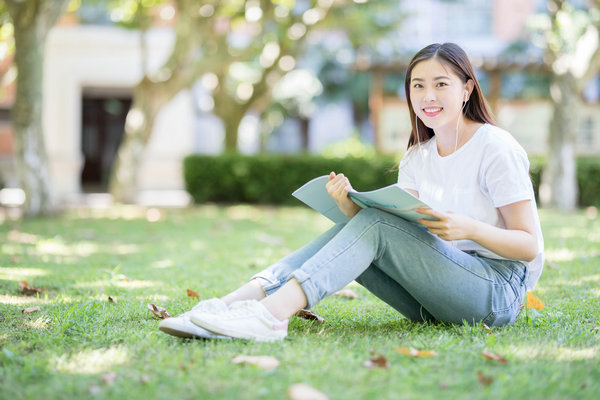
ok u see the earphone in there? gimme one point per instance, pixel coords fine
(466, 95)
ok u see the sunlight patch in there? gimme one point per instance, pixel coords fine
(132, 284)
(559, 255)
(59, 248)
(126, 248)
(18, 300)
(163, 264)
(243, 212)
(135, 284)
(92, 361)
(19, 274)
(40, 324)
(554, 353)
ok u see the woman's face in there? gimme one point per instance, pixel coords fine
(437, 94)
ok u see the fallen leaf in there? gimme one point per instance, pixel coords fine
(159, 312)
(192, 294)
(301, 391)
(493, 356)
(95, 389)
(182, 367)
(263, 362)
(534, 302)
(15, 260)
(111, 300)
(311, 316)
(29, 290)
(485, 327)
(347, 293)
(29, 310)
(377, 362)
(416, 353)
(484, 379)
(552, 265)
(109, 378)
(144, 378)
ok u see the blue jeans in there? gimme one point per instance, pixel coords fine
(422, 276)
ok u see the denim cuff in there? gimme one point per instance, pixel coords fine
(269, 283)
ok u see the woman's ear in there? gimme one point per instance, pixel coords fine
(470, 85)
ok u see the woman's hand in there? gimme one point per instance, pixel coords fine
(338, 188)
(518, 241)
(449, 225)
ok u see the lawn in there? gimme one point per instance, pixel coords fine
(80, 344)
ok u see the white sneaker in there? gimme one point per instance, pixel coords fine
(181, 326)
(247, 319)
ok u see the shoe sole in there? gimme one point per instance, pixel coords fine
(187, 335)
(217, 330)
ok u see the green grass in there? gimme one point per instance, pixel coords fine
(78, 337)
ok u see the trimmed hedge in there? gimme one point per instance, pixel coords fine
(270, 179)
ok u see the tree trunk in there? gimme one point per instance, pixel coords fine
(32, 20)
(148, 99)
(559, 180)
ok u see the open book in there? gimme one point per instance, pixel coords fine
(392, 199)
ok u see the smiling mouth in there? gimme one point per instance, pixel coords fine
(432, 111)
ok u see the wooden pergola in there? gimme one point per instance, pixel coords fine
(494, 67)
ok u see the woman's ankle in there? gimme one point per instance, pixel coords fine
(250, 291)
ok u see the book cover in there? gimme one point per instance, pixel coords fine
(392, 199)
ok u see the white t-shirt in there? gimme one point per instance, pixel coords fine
(491, 170)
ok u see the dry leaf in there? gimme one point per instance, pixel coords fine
(111, 300)
(29, 290)
(182, 367)
(301, 391)
(109, 378)
(15, 260)
(534, 302)
(484, 379)
(192, 294)
(95, 389)
(552, 265)
(493, 356)
(29, 310)
(377, 362)
(159, 312)
(416, 353)
(145, 379)
(485, 327)
(263, 362)
(347, 293)
(307, 314)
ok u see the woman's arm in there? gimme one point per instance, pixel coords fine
(518, 241)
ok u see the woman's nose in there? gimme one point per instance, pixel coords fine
(429, 94)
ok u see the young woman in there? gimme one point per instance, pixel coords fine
(473, 263)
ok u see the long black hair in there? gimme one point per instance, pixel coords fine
(455, 57)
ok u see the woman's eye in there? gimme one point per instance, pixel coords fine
(417, 86)
(442, 84)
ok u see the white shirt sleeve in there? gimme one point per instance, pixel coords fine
(506, 177)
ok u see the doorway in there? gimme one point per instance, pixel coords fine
(103, 126)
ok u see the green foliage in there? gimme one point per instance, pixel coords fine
(270, 179)
(69, 348)
(588, 173)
